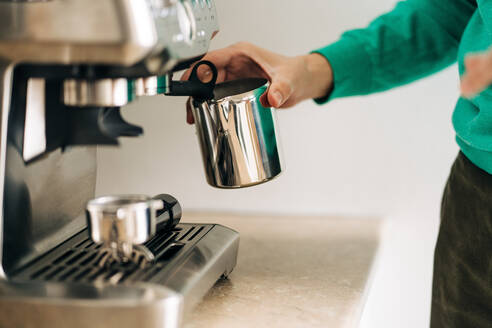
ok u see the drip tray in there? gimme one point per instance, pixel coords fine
(68, 283)
(188, 260)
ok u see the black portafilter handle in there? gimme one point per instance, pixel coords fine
(195, 87)
(169, 216)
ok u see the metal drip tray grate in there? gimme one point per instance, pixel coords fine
(76, 260)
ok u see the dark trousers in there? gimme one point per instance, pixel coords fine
(462, 286)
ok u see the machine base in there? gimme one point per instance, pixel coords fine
(66, 287)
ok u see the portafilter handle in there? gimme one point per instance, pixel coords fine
(168, 217)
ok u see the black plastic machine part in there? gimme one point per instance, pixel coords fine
(79, 126)
(65, 126)
(169, 216)
(195, 87)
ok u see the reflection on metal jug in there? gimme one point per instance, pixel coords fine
(237, 135)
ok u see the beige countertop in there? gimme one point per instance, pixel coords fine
(292, 272)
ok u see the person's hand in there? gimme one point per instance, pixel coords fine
(478, 74)
(292, 79)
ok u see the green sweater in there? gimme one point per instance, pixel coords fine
(418, 38)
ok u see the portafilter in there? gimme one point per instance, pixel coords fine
(122, 224)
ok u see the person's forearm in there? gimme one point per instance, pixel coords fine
(417, 38)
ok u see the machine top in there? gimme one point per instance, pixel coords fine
(161, 33)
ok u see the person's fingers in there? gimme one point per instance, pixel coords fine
(264, 100)
(478, 75)
(279, 92)
(277, 95)
(244, 60)
(186, 74)
(220, 58)
(189, 114)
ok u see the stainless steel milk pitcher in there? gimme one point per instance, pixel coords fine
(237, 135)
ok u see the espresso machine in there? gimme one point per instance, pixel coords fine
(67, 67)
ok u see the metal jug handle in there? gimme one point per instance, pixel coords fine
(195, 87)
(215, 74)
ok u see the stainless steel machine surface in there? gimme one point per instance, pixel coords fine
(188, 261)
(66, 67)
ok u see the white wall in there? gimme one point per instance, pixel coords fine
(386, 155)
(380, 154)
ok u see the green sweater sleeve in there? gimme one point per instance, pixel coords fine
(415, 39)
